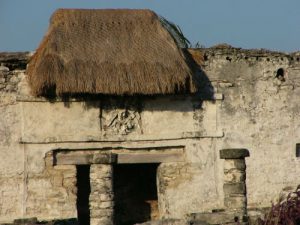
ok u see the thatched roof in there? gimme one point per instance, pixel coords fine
(113, 52)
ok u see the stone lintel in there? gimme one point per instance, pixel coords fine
(73, 158)
(107, 158)
(81, 158)
(125, 158)
(234, 153)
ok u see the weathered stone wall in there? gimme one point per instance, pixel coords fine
(259, 112)
(102, 195)
(35, 127)
(11, 154)
(29, 185)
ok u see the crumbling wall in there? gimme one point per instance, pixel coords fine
(28, 187)
(50, 192)
(260, 112)
(193, 185)
(11, 154)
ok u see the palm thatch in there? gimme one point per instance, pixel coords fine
(109, 51)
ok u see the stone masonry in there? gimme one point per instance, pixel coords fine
(235, 197)
(254, 109)
(102, 196)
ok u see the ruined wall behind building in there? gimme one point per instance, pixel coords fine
(260, 112)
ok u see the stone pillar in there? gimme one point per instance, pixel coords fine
(235, 193)
(102, 194)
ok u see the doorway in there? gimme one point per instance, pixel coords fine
(135, 192)
(83, 193)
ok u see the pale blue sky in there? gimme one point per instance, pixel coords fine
(271, 24)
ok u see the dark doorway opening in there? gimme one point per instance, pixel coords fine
(135, 193)
(83, 193)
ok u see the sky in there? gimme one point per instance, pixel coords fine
(269, 24)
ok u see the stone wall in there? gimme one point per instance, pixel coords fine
(11, 154)
(251, 107)
(29, 185)
(260, 112)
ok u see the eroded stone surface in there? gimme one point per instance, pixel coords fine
(231, 165)
(259, 112)
(101, 196)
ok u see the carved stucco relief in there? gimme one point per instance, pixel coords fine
(121, 121)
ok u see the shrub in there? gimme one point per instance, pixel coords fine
(286, 212)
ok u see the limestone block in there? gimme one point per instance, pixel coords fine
(57, 181)
(102, 221)
(101, 197)
(39, 183)
(4, 68)
(69, 182)
(238, 153)
(69, 174)
(231, 189)
(49, 160)
(106, 181)
(170, 221)
(101, 171)
(234, 177)
(213, 218)
(237, 202)
(234, 164)
(106, 205)
(106, 197)
(105, 188)
(104, 158)
(95, 203)
(26, 221)
(101, 213)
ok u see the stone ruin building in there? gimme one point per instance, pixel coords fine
(110, 121)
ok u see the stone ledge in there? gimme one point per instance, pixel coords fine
(122, 138)
(234, 153)
(224, 49)
(34, 221)
(216, 217)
